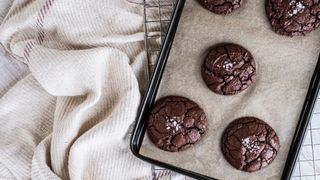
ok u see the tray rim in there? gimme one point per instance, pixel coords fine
(149, 97)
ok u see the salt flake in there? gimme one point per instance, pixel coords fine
(299, 7)
(251, 146)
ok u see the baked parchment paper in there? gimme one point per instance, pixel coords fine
(284, 69)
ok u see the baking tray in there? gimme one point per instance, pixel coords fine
(147, 102)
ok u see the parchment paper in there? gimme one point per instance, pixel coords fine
(285, 66)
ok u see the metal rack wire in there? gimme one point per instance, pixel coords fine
(157, 17)
(308, 163)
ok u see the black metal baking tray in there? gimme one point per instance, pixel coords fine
(149, 97)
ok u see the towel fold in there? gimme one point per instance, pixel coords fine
(71, 76)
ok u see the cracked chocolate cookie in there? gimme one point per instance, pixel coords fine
(221, 6)
(228, 69)
(293, 17)
(176, 123)
(249, 144)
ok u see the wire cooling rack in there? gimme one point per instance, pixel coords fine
(157, 17)
(308, 163)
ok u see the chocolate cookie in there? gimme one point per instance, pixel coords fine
(175, 123)
(228, 69)
(221, 6)
(293, 17)
(249, 144)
